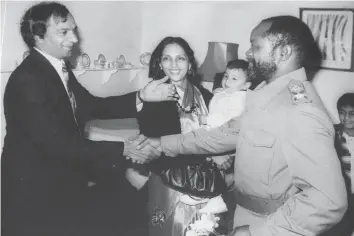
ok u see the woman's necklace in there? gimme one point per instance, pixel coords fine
(188, 109)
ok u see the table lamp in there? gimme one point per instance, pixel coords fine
(218, 55)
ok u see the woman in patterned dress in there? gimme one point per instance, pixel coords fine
(173, 57)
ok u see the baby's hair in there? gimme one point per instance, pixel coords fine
(237, 64)
(346, 100)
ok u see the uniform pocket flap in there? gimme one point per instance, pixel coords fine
(260, 138)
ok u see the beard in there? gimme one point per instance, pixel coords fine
(258, 72)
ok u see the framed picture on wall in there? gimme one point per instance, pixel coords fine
(333, 31)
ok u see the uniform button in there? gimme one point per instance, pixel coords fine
(114, 166)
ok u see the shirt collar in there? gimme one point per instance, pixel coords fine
(264, 95)
(56, 63)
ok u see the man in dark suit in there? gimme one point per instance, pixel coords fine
(46, 161)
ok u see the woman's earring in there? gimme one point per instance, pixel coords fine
(190, 72)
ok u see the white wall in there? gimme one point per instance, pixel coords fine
(108, 27)
(200, 22)
(12, 45)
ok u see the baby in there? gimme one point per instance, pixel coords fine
(229, 100)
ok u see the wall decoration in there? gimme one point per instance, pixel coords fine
(145, 58)
(333, 31)
(86, 62)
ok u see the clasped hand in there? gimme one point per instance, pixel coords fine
(141, 149)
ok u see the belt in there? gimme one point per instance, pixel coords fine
(258, 205)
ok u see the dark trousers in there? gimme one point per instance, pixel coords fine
(120, 211)
(96, 211)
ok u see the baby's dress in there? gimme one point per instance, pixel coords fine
(224, 106)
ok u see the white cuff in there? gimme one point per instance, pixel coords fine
(139, 106)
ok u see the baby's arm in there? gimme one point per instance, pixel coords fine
(213, 120)
(216, 119)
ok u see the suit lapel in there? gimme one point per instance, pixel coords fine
(55, 84)
(51, 75)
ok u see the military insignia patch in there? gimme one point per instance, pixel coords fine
(298, 93)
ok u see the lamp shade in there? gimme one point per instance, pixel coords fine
(218, 55)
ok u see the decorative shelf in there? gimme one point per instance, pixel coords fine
(106, 72)
(94, 69)
(108, 69)
(6, 71)
(102, 82)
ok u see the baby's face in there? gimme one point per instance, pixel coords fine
(346, 116)
(234, 78)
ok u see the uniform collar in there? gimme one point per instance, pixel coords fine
(265, 94)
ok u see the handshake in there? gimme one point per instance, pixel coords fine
(141, 149)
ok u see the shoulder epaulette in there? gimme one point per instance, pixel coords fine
(298, 92)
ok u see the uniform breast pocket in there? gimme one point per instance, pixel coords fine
(255, 154)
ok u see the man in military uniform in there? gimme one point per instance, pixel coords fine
(287, 176)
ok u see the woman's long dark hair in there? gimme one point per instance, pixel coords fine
(155, 72)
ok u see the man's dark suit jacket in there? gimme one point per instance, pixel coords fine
(46, 162)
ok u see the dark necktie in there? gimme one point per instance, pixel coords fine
(70, 92)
